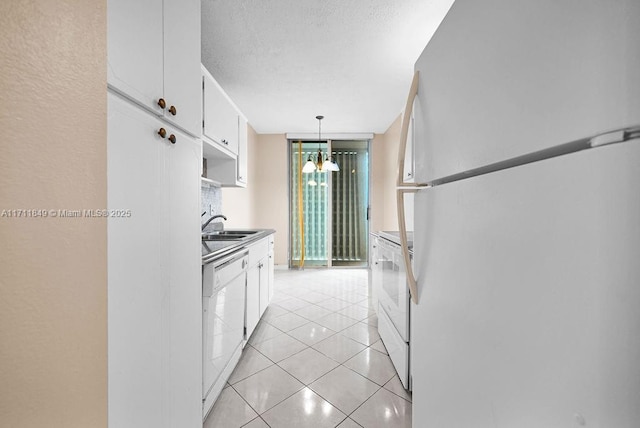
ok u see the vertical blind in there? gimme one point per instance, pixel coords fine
(314, 208)
(349, 199)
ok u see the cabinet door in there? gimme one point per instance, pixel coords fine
(135, 51)
(271, 267)
(219, 116)
(182, 87)
(182, 305)
(136, 287)
(252, 310)
(376, 270)
(264, 284)
(242, 150)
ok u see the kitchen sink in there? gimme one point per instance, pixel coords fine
(223, 236)
(228, 235)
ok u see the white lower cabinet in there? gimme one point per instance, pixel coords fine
(154, 271)
(271, 267)
(263, 265)
(375, 269)
(252, 309)
(259, 282)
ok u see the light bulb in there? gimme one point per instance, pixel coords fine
(309, 167)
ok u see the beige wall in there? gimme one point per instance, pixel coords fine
(388, 150)
(377, 182)
(272, 193)
(238, 202)
(53, 271)
(264, 203)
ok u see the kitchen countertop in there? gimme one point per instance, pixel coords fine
(213, 250)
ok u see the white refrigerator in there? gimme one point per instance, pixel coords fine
(526, 139)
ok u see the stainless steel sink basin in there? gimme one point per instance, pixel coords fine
(226, 236)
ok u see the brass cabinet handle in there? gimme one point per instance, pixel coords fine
(172, 138)
(161, 103)
(162, 132)
(173, 110)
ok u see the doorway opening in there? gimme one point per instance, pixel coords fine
(329, 210)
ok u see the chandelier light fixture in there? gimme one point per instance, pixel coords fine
(322, 164)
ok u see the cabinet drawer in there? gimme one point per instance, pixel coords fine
(258, 251)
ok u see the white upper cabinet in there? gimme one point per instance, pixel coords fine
(220, 117)
(225, 135)
(242, 151)
(182, 89)
(135, 51)
(153, 57)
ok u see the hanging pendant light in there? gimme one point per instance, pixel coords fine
(322, 164)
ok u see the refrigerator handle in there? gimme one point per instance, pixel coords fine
(404, 132)
(403, 187)
(404, 246)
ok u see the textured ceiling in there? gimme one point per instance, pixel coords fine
(284, 62)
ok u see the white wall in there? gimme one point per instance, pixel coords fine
(53, 271)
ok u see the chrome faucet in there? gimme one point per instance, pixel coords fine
(206, 223)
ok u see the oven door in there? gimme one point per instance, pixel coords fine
(394, 294)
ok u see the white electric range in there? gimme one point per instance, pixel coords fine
(390, 287)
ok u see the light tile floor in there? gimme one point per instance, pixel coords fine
(315, 360)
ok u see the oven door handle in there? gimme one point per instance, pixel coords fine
(404, 245)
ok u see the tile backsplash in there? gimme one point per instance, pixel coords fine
(210, 196)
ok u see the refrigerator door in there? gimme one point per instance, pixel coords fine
(503, 78)
(529, 288)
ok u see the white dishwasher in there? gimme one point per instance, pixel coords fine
(223, 300)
